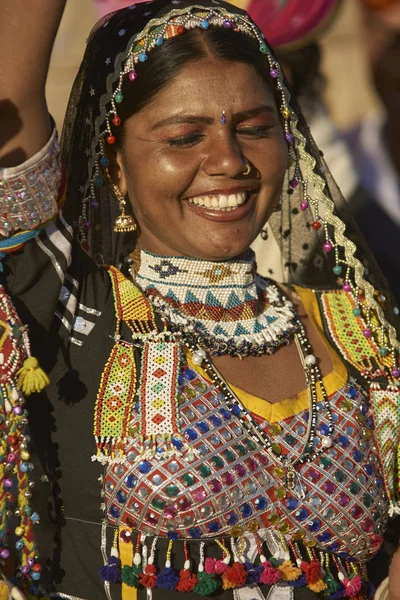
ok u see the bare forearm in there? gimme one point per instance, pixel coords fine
(27, 33)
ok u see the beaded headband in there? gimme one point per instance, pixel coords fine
(302, 171)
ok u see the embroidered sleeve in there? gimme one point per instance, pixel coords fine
(354, 340)
(29, 192)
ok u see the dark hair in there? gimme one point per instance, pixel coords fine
(164, 63)
(304, 65)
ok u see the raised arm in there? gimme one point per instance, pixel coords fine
(27, 33)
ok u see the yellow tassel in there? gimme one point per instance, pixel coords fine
(31, 378)
(289, 572)
(3, 591)
(317, 586)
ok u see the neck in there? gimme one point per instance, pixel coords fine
(223, 306)
(222, 289)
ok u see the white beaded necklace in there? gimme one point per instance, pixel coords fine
(223, 306)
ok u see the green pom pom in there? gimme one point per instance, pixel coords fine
(333, 586)
(130, 575)
(206, 584)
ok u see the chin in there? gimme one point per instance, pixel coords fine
(217, 252)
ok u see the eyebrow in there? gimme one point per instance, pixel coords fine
(236, 117)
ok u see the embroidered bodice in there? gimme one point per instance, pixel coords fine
(233, 483)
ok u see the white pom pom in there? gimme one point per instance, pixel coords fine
(137, 559)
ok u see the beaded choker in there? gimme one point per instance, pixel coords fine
(225, 307)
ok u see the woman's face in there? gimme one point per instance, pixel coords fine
(183, 169)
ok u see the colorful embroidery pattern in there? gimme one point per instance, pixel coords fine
(233, 483)
(131, 306)
(247, 315)
(114, 402)
(351, 335)
(158, 390)
(386, 410)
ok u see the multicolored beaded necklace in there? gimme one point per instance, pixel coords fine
(225, 307)
(175, 286)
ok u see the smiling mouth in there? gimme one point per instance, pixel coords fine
(221, 202)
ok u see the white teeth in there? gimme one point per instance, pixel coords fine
(232, 200)
(221, 202)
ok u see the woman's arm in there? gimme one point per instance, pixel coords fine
(27, 33)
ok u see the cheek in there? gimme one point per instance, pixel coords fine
(158, 174)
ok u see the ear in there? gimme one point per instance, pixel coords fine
(117, 171)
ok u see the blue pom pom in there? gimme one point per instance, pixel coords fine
(167, 579)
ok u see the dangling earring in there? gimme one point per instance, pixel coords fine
(123, 223)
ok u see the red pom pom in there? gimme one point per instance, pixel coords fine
(111, 140)
(148, 577)
(187, 581)
(236, 574)
(270, 575)
(316, 225)
(117, 121)
(314, 571)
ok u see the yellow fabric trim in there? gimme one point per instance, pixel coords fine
(293, 405)
(126, 556)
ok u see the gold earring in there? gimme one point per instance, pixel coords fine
(123, 223)
(247, 168)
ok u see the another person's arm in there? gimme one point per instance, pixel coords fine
(27, 33)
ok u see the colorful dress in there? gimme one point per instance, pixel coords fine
(213, 511)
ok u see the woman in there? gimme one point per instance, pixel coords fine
(274, 484)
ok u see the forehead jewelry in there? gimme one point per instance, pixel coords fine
(223, 118)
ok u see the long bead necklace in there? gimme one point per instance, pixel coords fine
(313, 378)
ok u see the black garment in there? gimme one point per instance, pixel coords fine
(68, 304)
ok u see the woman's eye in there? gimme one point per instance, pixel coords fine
(185, 141)
(256, 131)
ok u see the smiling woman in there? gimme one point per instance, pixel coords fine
(181, 167)
(239, 429)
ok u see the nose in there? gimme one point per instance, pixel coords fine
(224, 156)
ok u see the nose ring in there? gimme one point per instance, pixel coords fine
(247, 168)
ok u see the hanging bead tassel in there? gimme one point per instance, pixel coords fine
(187, 579)
(269, 574)
(148, 578)
(236, 575)
(167, 578)
(218, 566)
(31, 377)
(289, 572)
(111, 572)
(130, 575)
(206, 582)
(332, 586)
(352, 584)
(313, 575)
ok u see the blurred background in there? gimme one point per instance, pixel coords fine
(342, 58)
